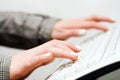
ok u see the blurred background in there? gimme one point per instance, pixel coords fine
(64, 9)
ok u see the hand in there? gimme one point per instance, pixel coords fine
(77, 27)
(23, 64)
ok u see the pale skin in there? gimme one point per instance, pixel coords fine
(69, 28)
(24, 63)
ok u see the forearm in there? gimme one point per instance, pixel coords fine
(23, 30)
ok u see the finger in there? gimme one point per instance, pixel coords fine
(76, 32)
(98, 26)
(92, 24)
(61, 53)
(69, 46)
(100, 18)
(88, 25)
(51, 60)
(43, 58)
(64, 47)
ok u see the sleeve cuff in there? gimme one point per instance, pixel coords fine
(46, 29)
(4, 67)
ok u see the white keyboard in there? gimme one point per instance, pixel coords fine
(96, 50)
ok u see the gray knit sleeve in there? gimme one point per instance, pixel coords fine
(25, 30)
(4, 67)
(46, 26)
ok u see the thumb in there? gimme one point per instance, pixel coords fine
(78, 32)
(44, 58)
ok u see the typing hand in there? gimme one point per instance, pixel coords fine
(64, 29)
(23, 64)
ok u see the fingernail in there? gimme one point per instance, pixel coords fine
(78, 47)
(48, 54)
(73, 53)
(82, 31)
(113, 19)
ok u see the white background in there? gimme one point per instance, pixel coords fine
(62, 8)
